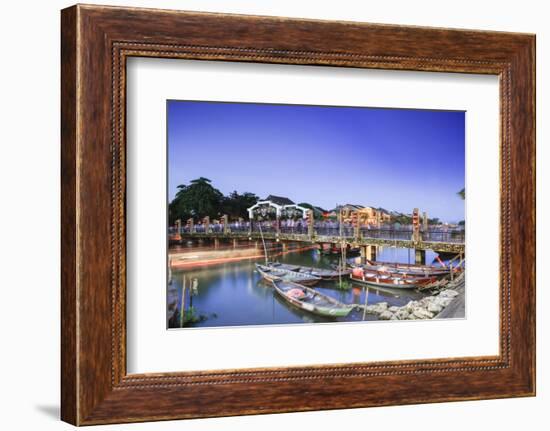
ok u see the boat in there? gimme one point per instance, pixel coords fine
(274, 274)
(309, 299)
(406, 269)
(393, 280)
(324, 274)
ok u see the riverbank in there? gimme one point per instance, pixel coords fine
(446, 304)
(457, 308)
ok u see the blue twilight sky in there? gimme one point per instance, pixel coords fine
(397, 159)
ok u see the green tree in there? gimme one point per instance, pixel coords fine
(434, 220)
(317, 211)
(235, 205)
(198, 199)
(462, 193)
(403, 219)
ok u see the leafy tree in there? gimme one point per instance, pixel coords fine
(236, 205)
(434, 220)
(403, 219)
(198, 199)
(317, 211)
(462, 193)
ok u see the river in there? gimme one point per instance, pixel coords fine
(234, 294)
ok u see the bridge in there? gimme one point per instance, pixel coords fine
(449, 241)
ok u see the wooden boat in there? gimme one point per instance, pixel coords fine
(309, 299)
(324, 274)
(392, 280)
(275, 274)
(407, 269)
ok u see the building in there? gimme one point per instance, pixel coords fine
(279, 200)
(367, 216)
(276, 207)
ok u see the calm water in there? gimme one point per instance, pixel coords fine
(234, 294)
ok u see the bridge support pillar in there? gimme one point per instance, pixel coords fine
(285, 246)
(420, 257)
(216, 243)
(368, 252)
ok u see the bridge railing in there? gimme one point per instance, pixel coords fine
(239, 227)
(454, 236)
(347, 231)
(391, 234)
(294, 230)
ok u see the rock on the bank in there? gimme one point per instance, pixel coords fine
(422, 309)
(402, 314)
(411, 306)
(422, 313)
(442, 301)
(434, 308)
(449, 293)
(386, 315)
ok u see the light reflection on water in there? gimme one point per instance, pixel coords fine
(234, 294)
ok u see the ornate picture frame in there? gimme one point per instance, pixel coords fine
(96, 41)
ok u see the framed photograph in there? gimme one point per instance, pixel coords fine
(266, 215)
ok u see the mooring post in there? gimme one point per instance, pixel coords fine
(216, 242)
(182, 304)
(235, 242)
(366, 302)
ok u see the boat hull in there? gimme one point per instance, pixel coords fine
(336, 310)
(287, 276)
(391, 283)
(322, 273)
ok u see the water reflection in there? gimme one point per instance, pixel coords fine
(234, 294)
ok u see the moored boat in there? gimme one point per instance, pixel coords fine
(309, 299)
(323, 273)
(271, 273)
(392, 280)
(412, 270)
